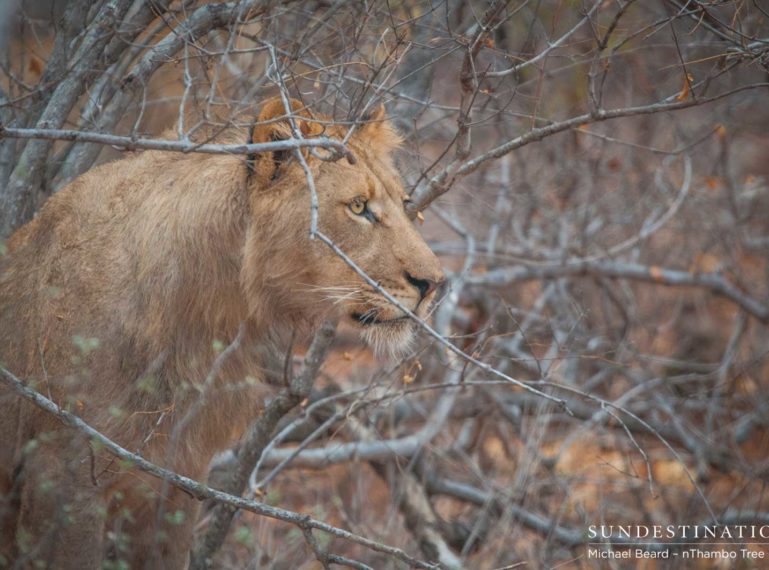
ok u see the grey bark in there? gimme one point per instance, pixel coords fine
(24, 189)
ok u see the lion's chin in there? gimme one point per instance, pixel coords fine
(389, 339)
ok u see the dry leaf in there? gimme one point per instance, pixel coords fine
(671, 472)
(746, 385)
(686, 89)
(414, 370)
(35, 66)
(494, 448)
(721, 130)
(705, 263)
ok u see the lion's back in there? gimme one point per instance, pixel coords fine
(62, 273)
(83, 284)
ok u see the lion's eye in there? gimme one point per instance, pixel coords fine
(358, 206)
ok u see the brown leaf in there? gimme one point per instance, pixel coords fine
(721, 130)
(705, 263)
(35, 66)
(686, 89)
(712, 182)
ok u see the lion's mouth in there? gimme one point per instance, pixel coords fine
(387, 336)
(371, 319)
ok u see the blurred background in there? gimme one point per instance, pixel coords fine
(594, 175)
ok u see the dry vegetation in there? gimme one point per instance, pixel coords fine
(597, 180)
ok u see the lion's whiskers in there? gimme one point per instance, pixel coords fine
(337, 299)
(335, 293)
(372, 312)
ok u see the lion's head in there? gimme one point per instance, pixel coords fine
(361, 208)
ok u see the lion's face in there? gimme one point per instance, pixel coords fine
(362, 209)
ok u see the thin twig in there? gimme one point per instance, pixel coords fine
(198, 490)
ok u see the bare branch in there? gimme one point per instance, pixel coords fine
(130, 143)
(257, 438)
(713, 282)
(441, 183)
(198, 490)
(432, 332)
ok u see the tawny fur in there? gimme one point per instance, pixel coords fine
(163, 258)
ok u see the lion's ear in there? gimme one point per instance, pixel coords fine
(273, 124)
(378, 132)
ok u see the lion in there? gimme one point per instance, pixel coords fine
(117, 300)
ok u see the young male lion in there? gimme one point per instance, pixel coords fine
(117, 298)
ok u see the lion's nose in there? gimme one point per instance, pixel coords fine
(424, 286)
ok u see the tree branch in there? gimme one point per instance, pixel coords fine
(713, 282)
(24, 186)
(132, 143)
(439, 184)
(198, 490)
(257, 438)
